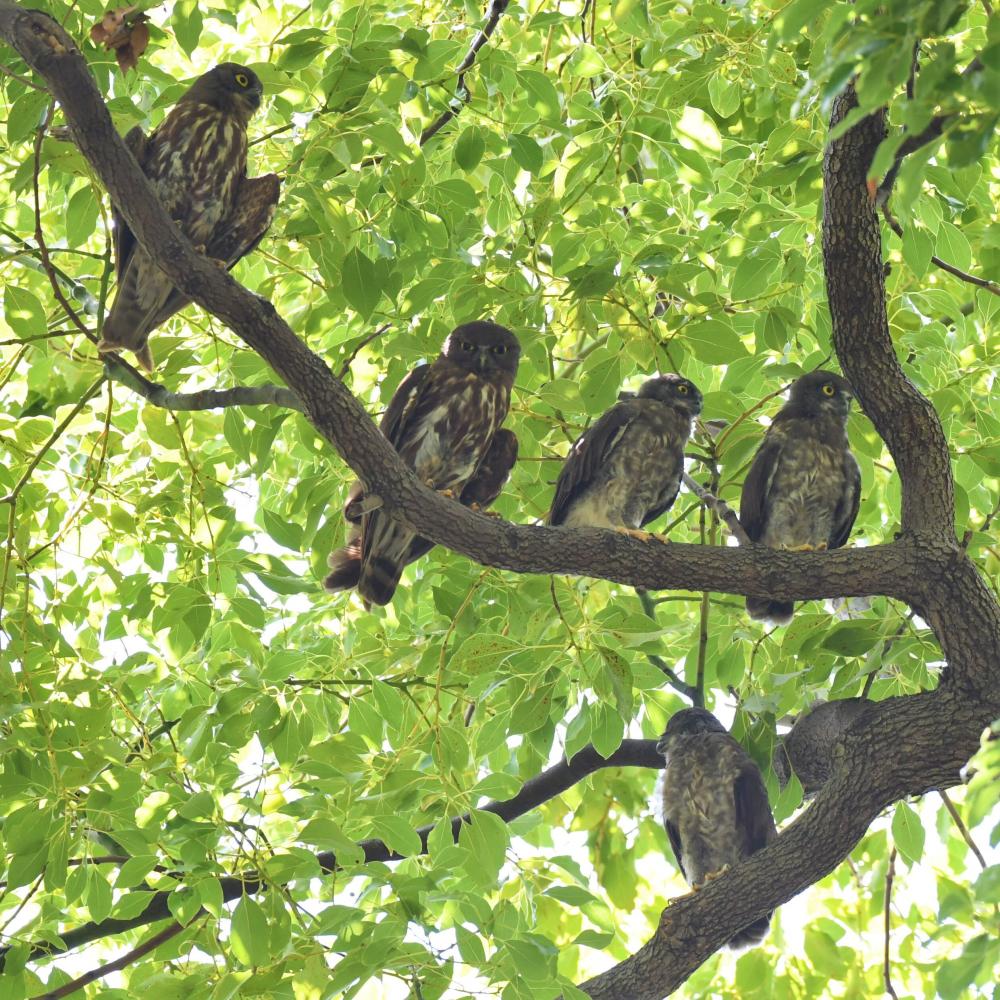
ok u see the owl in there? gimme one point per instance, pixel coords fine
(804, 486)
(444, 420)
(196, 161)
(714, 804)
(626, 469)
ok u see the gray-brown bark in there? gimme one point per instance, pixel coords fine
(895, 750)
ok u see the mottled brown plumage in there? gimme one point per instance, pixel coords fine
(196, 161)
(444, 421)
(481, 491)
(625, 470)
(714, 803)
(804, 485)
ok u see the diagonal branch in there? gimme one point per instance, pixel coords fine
(535, 792)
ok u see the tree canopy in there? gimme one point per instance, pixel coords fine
(219, 780)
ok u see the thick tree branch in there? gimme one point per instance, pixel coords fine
(341, 420)
(536, 791)
(852, 254)
(205, 399)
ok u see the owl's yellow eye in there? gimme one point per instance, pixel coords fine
(499, 349)
(682, 389)
(466, 346)
(828, 389)
(242, 80)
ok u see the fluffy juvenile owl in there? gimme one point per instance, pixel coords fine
(625, 470)
(196, 161)
(714, 803)
(443, 420)
(804, 486)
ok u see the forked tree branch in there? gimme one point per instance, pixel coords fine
(894, 750)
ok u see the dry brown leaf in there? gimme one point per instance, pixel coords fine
(126, 32)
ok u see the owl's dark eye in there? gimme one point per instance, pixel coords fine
(242, 79)
(466, 346)
(828, 389)
(499, 349)
(682, 389)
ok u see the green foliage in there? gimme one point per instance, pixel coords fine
(180, 699)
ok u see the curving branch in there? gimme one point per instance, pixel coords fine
(535, 792)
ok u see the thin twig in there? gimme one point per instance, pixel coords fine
(56, 434)
(721, 508)
(119, 370)
(676, 682)
(990, 286)
(359, 347)
(962, 828)
(889, 875)
(150, 944)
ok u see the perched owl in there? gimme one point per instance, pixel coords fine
(444, 420)
(197, 163)
(714, 803)
(804, 486)
(478, 493)
(626, 468)
(808, 749)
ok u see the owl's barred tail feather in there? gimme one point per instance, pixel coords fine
(379, 579)
(764, 609)
(751, 935)
(346, 566)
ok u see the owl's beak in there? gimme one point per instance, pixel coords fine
(482, 359)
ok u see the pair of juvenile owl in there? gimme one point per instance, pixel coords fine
(802, 490)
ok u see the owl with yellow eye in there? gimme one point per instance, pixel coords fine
(804, 486)
(196, 162)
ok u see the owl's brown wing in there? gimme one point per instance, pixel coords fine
(753, 812)
(123, 238)
(240, 233)
(674, 836)
(846, 511)
(588, 455)
(484, 487)
(757, 486)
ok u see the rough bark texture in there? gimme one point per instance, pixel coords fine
(901, 747)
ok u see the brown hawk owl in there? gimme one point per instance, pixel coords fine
(714, 804)
(625, 470)
(804, 486)
(444, 420)
(196, 161)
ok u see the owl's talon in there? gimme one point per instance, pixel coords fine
(449, 493)
(642, 536)
(804, 547)
(711, 876)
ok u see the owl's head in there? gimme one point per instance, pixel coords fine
(229, 87)
(483, 347)
(688, 722)
(822, 392)
(678, 392)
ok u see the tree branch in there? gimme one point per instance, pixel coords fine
(990, 286)
(205, 399)
(537, 790)
(852, 254)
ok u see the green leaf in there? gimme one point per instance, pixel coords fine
(23, 312)
(249, 933)
(81, 216)
(713, 342)
(360, 287)
(754, 272)
(526, 152)
(908, 833)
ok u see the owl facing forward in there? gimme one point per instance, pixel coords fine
(714, 804)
